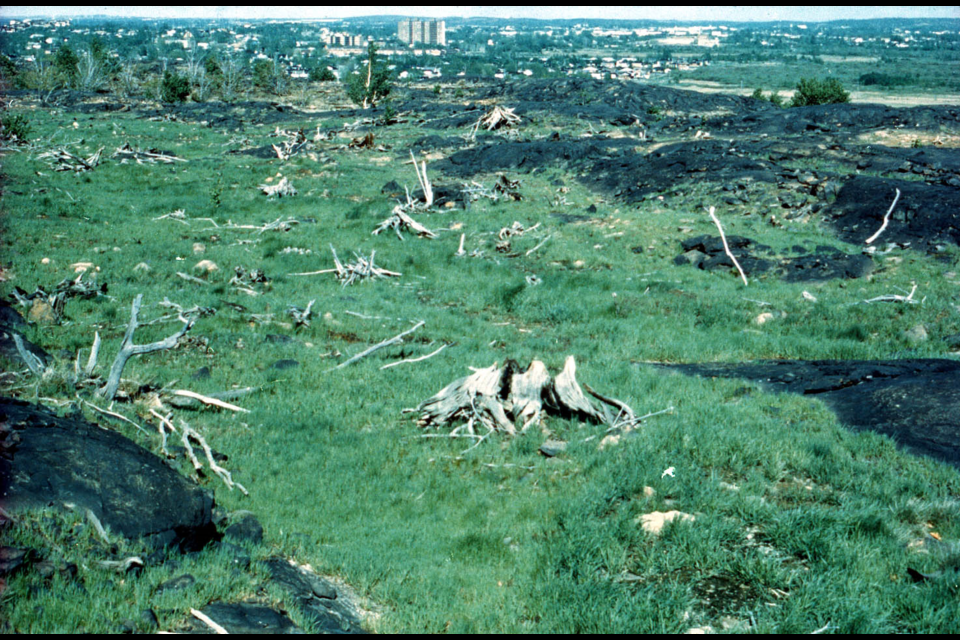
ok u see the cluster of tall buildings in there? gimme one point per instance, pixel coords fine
(427, 32)
(344, 40)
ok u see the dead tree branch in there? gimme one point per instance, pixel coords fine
(886, 219)
(128, 349)
(386, 343)
(726, 247)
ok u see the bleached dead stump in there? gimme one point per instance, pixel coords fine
(501, 398)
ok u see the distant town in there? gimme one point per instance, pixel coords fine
(485, 48)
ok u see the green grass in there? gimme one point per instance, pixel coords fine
(497, 539)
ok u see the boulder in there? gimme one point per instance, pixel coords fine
(46, 460)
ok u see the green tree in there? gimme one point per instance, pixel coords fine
(321, 74)
(811, 91)
(65, 63)
(758, 94)
(372, 84)
(174, 88)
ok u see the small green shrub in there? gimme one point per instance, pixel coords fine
(321, 74)
(174, 88)
(757, 94)
(15, 128)
(811, 91)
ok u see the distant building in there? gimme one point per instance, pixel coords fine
(432, 32)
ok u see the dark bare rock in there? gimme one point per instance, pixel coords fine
(286, 363)
(826, 263)
(248, 529)
(177, 584)
(317, 599)
(244, 618)
(925, 215)
(13, 559)
(915, 402)
(49, 460)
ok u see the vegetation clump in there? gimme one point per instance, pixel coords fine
(174, 88)
(812, 91)
(368, 87)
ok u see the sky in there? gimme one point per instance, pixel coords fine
(707, 13)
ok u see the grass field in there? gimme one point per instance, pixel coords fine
(800, 524)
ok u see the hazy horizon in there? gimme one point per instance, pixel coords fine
(701, 14)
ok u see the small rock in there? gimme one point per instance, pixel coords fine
(198, 248)
(42, 312)
(237, 555)
(916, 335)
(693, 257)
(552, 448)
(609, 441)
(654, 522)
(953, 341)
(285, 364)
(649, 492)
(13, 559)
(249, 529)
(203, 373)
(149, 618)
(207, 266)
(143, 267)
(763, 318)
(177, 584)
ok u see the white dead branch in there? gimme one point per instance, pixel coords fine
(420, 359)
(301, 317)
(186, 434)
(726, 247)
(397, 339)
(63, 160)
(282, 188)
(209, 400)
(424, 182)
(294, 143)
(34, 364)
(907, 299)
(401, 220)
(128, 349)
(460, 252)
(516, 229)
(886, 219)
(126, 152)
(205, 619)
(500, 398)
(179, 215)
(360, 270)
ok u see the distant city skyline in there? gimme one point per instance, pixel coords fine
(686, 13)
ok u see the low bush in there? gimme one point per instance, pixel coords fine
(811, 91)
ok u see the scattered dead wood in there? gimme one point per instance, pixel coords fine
(63, 160)
(281, 189)
(151, 156)
(515, 230)
(363, 142)
(209, 400)
(360, 270)
(400, 220)
(420, 359)
(497, 118)
(500, 398)
(294, 143)
(907, 299)
(128, 349)
(301, 317)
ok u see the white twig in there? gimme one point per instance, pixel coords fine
(208, 400)
(726, 247)
(113, 414)
(886, 219)
(908, 299)
(97, 526)
(429, 355)
(386, 343)
(205, 619)
(539, 245)
(33, 362)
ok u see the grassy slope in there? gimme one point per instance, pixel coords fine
(340, 478)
